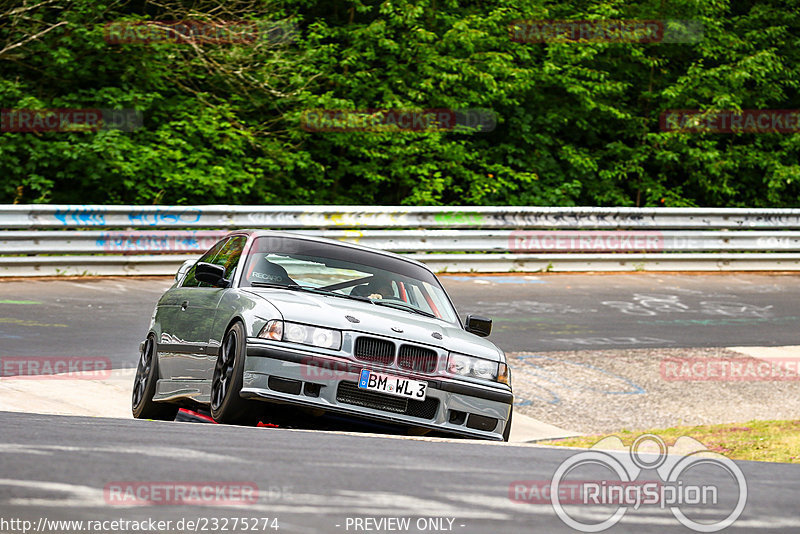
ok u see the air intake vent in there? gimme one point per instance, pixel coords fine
(349, 393)
(370, 349)
(480, 422)
(417, 359)
(284, 385)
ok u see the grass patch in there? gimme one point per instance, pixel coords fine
(763, 441)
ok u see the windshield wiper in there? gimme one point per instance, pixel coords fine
(403, 306)
(309, 289)
(274, 285)
(319, 291)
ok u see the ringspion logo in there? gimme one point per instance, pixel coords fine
(686, 485)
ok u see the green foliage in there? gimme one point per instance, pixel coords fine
(577, 123)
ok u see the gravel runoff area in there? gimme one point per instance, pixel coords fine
(605, 391)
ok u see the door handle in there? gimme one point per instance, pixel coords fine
(184, 305)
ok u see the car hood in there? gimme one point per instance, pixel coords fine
(332, 312)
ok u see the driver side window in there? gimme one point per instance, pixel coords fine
(229, 255)
(189, 280)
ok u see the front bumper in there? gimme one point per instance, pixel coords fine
(280, 374)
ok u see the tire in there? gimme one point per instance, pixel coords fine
(144, 387)
(226, 404)
(507, 429)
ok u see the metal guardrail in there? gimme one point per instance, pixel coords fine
(304, 217)
(149, 240)
(167, 264)
(517, 241)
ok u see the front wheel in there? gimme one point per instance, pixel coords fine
(226, 404)
(144, 387)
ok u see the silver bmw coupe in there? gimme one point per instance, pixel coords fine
(327, 326)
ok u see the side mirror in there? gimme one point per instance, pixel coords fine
(210, 274)
(480, 326)
(183, 270)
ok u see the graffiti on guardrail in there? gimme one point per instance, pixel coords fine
(165, 217)
(769, 243)
(101, 216)
(456, 218)
(282, 218)
(81, 216)
(277, 218)
(487, 229)
(143, 241)
(389, 217)
(576, 218)
(770, 220)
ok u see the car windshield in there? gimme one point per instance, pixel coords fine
(327, 267)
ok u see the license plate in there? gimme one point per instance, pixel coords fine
(393, 385)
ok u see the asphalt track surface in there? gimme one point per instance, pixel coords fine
(58, 468)
(109, 317)
(55, 467)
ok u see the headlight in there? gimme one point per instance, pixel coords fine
(302, 333)
(463, 365)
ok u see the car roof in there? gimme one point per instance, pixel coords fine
(254, 232)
